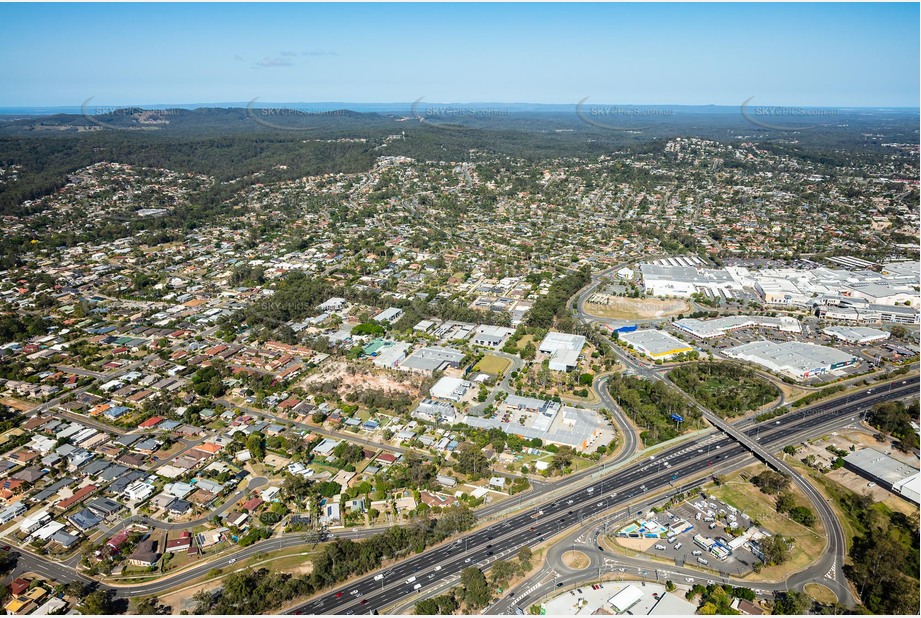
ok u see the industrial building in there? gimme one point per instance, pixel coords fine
(434, 411)
(683, 281)
(898, 477)
(491, 336)
(892, 293)
(582, 429)
(390, 315)
(793, 358)
(655, 344)
(432, 359)
(386, 353)
(451, 389)
(564, 350)
(720, 327)
(856, 334)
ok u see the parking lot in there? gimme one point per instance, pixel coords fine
(810, 334)
(709, 518)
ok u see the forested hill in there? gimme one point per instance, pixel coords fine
(231, 143)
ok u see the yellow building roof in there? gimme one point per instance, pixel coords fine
(36, 594)
(16, 605)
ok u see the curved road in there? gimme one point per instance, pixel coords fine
(507, 536)
(440, 566)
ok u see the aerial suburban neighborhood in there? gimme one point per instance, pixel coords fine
(545, 355)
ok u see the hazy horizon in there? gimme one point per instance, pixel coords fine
(807, 55)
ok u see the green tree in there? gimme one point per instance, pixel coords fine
(791, 603)
(255, 444)
(99, 602)
(775, 549)
(771, 482)
(476, 588)
(785, 502)
(803, 515)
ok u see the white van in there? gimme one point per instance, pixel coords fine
(411, 579)
(417, 586)
(378, 577)
(702, 561)
(660, 547)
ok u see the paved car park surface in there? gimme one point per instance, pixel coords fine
(700, 514)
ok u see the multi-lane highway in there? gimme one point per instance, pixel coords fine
(443, 564)
(815, 421)
(508, 536)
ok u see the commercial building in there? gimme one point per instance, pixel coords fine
(626, 598)
(564, 350)
(582, 429)
(452, 389)
(432, 359)
(856, 334)
(898, 477)
(720, 327)
(655, 344)
(793, 358)
(434, 411)
(895, 287)
(683, 281)
(491, 336)
(861, 311)
(389, 315)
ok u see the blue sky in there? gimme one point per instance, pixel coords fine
(690, 54)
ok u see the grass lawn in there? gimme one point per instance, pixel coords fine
(180, 560)
(525, 340)
(821, 594)
(809, 542)
(494, 365)
(830, 489)
(364, 415)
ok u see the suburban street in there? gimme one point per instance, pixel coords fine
(504, 539)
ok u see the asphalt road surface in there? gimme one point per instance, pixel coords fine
(502, 540)
(618, 490)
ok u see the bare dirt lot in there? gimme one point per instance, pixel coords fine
(349, 377)
(16, 404)
(620, 308)
(642, 545)
(575, 560)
